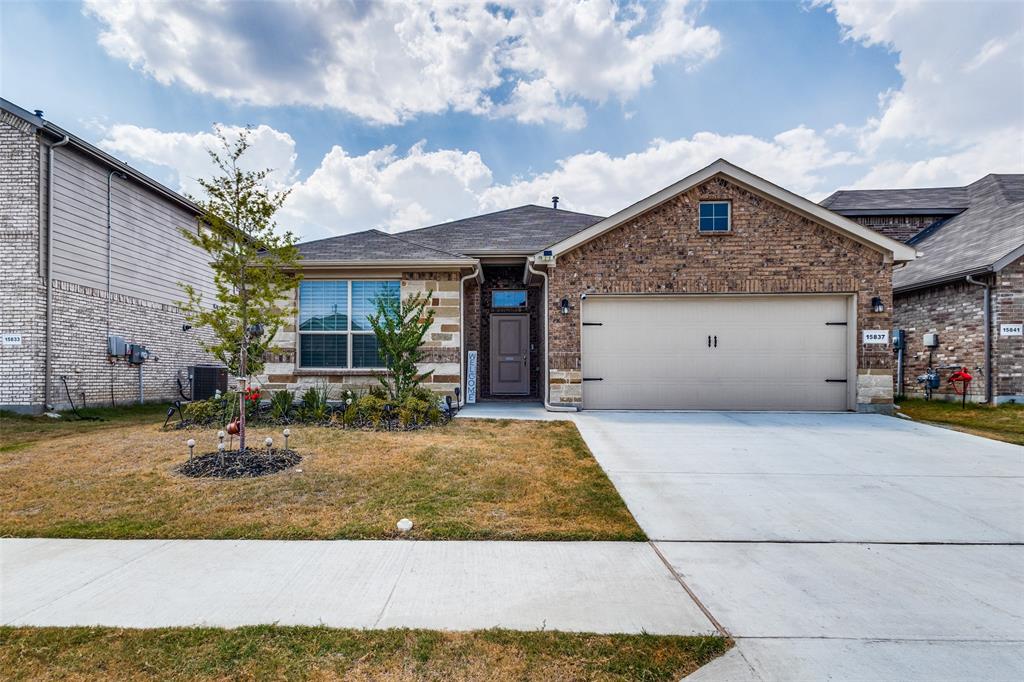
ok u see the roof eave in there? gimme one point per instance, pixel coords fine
(308, 263)
(897, 211)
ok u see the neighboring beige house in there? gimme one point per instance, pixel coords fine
(100, 255)
(722, 291)
(962, 302)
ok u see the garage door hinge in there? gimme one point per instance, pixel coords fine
(835, 381)
(592, 324)
(835, 324)
(593, 378)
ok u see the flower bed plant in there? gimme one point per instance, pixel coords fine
(374, 410)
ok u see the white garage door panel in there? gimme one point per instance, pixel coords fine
(766, 353)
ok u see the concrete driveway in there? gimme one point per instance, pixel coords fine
(832, 546)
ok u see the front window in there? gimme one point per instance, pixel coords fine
(508, 299)
(714, 216)
(334, 331)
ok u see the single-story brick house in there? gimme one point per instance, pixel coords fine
(966, 291)
(721, 291)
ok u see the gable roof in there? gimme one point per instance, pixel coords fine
(805, 207)
(522, 230)
(985, 235)
(373, 247)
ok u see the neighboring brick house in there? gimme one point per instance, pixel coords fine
(58, 305)
(971, 241)
(722, 291)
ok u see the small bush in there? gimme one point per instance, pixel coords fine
(281, 404)
(315, 406)
(203, 411)
(368, 410)
(416, 412)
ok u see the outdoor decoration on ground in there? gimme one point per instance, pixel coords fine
(247, 463)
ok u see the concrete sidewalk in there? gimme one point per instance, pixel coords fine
(600, 587)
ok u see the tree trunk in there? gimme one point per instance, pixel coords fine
(243, 384)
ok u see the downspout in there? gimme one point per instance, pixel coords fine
(462, 328)
(48, 362)
(988, 335)
(547, 377)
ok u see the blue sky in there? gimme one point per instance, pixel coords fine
(617, 100)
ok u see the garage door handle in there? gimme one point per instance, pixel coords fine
(716, 341)
(835, 381)
(709, 340)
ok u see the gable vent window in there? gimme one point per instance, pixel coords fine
(715, 216)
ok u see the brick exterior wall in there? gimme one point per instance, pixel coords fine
(22, 286)
(507, 277)
(1008, 351)
(898, 227)
(770, 250)
(441, 344)
(955, 312)
(78, 342)
(80, 347)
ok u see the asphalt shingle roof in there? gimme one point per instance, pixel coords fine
(372, 245)
(523, 229)
(989, 227)
(515, 230)
(938, 199)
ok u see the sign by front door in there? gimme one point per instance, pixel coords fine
(471, 376)
(12, 339)
(1011, 329)
(876, 336)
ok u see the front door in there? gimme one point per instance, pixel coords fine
(510, 354)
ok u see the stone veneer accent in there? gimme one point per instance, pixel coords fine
(770, 250)
(441, 345)
(955, 311)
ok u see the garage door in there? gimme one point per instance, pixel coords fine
(715, 353)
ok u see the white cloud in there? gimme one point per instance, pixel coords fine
(959, 112)
(187, 153)
(389, 62)
(598, 183)
(394, 191)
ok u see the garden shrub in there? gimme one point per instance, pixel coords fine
(203, 411)
(369, 410)
(315, 406)
(281, 404)
(416, 412)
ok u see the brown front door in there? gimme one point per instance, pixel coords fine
(510, 354)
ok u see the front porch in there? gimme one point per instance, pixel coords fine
(505, 328)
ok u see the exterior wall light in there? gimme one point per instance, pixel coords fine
(565, 306)
(877, 305)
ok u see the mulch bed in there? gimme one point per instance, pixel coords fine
(248, 463)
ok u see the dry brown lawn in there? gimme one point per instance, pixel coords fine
(471, 479)
(292, 653)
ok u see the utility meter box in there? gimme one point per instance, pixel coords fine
(137, 354)
(898, 339)
(116, 346)
(931, 340)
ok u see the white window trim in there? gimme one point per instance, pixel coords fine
(349, 332)
(728, 220)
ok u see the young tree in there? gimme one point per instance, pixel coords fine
(400, 327)
(253, 266)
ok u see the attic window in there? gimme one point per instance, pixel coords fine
(715, 216)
